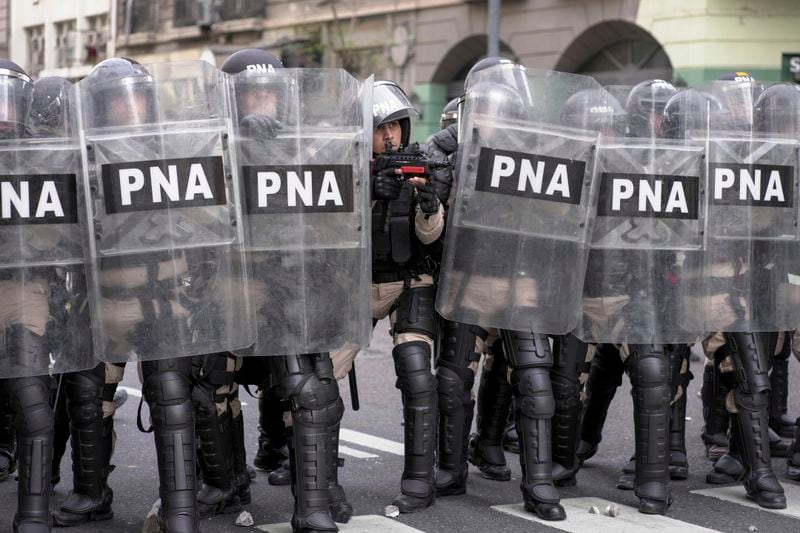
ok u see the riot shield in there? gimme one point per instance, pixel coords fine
(44, 312)
(751, 276)
(168, 277)
(516, 240)
(648, 230)
(302, 144)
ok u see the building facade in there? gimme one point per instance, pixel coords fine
(427, 46)
(58, 38)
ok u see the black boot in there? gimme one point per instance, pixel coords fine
(715, 414)
(8, 440)
(648, 369)
(412, 362)
(728, 468)
(493, 407)
(341, 509)
(215, 454)
(678, 462)
(627, 479)
(751, 422)
(167, 391)
(91, 497)
(530, 358)
(793, 458)
(312, 400)
(454, 381)
(61, 431)
(242, 479)
(570, 353)
(272, 450)
(779, 420)
(30, 401)
(605, 375)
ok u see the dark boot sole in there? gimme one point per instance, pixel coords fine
(531, 508)
(767, 504)
(93, 516)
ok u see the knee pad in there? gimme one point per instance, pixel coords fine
(415, 311)
(84, 392)
(167, 390)
(526, 349)
(458, 344)
(751, 363)
(305, 388)
(30, 398)
(649, 374)
(453, 393)
(533, 393)
(412, 362)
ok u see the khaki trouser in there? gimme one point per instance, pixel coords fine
(119, 316)
(489, 296)
(383, 297)
(26, 304)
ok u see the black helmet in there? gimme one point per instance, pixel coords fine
(51, 108)
(594, 109)
(119, 92)
(689, 110)
(450, 113)
(15, 95)
(259, 88)
(252, 59)
(778, 110)
(645, 107)
(389, 104)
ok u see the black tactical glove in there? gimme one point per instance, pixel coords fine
(428, 201)
(260, 126)
(385, 185)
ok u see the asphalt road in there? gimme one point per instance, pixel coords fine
(373, 451)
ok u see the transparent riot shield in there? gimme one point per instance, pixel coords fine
(168, 276)
(302, 139)
(44, 313)
(751, 277)
(516, 240)
(648, 229)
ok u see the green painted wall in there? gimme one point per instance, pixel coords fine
(432, 98)
(705, 38)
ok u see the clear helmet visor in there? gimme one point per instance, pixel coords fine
(15, 96)
(123, 102)
(51, 108)
(777, 111)
(269, 94)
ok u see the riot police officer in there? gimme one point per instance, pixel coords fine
(263, 101)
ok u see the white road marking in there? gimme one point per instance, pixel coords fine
(736, 494)
(358, 454)
(358, 524)
(579, 520)
(131, 391)
(371, 441)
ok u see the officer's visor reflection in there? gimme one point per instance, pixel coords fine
(258, 102)
(128, 110)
